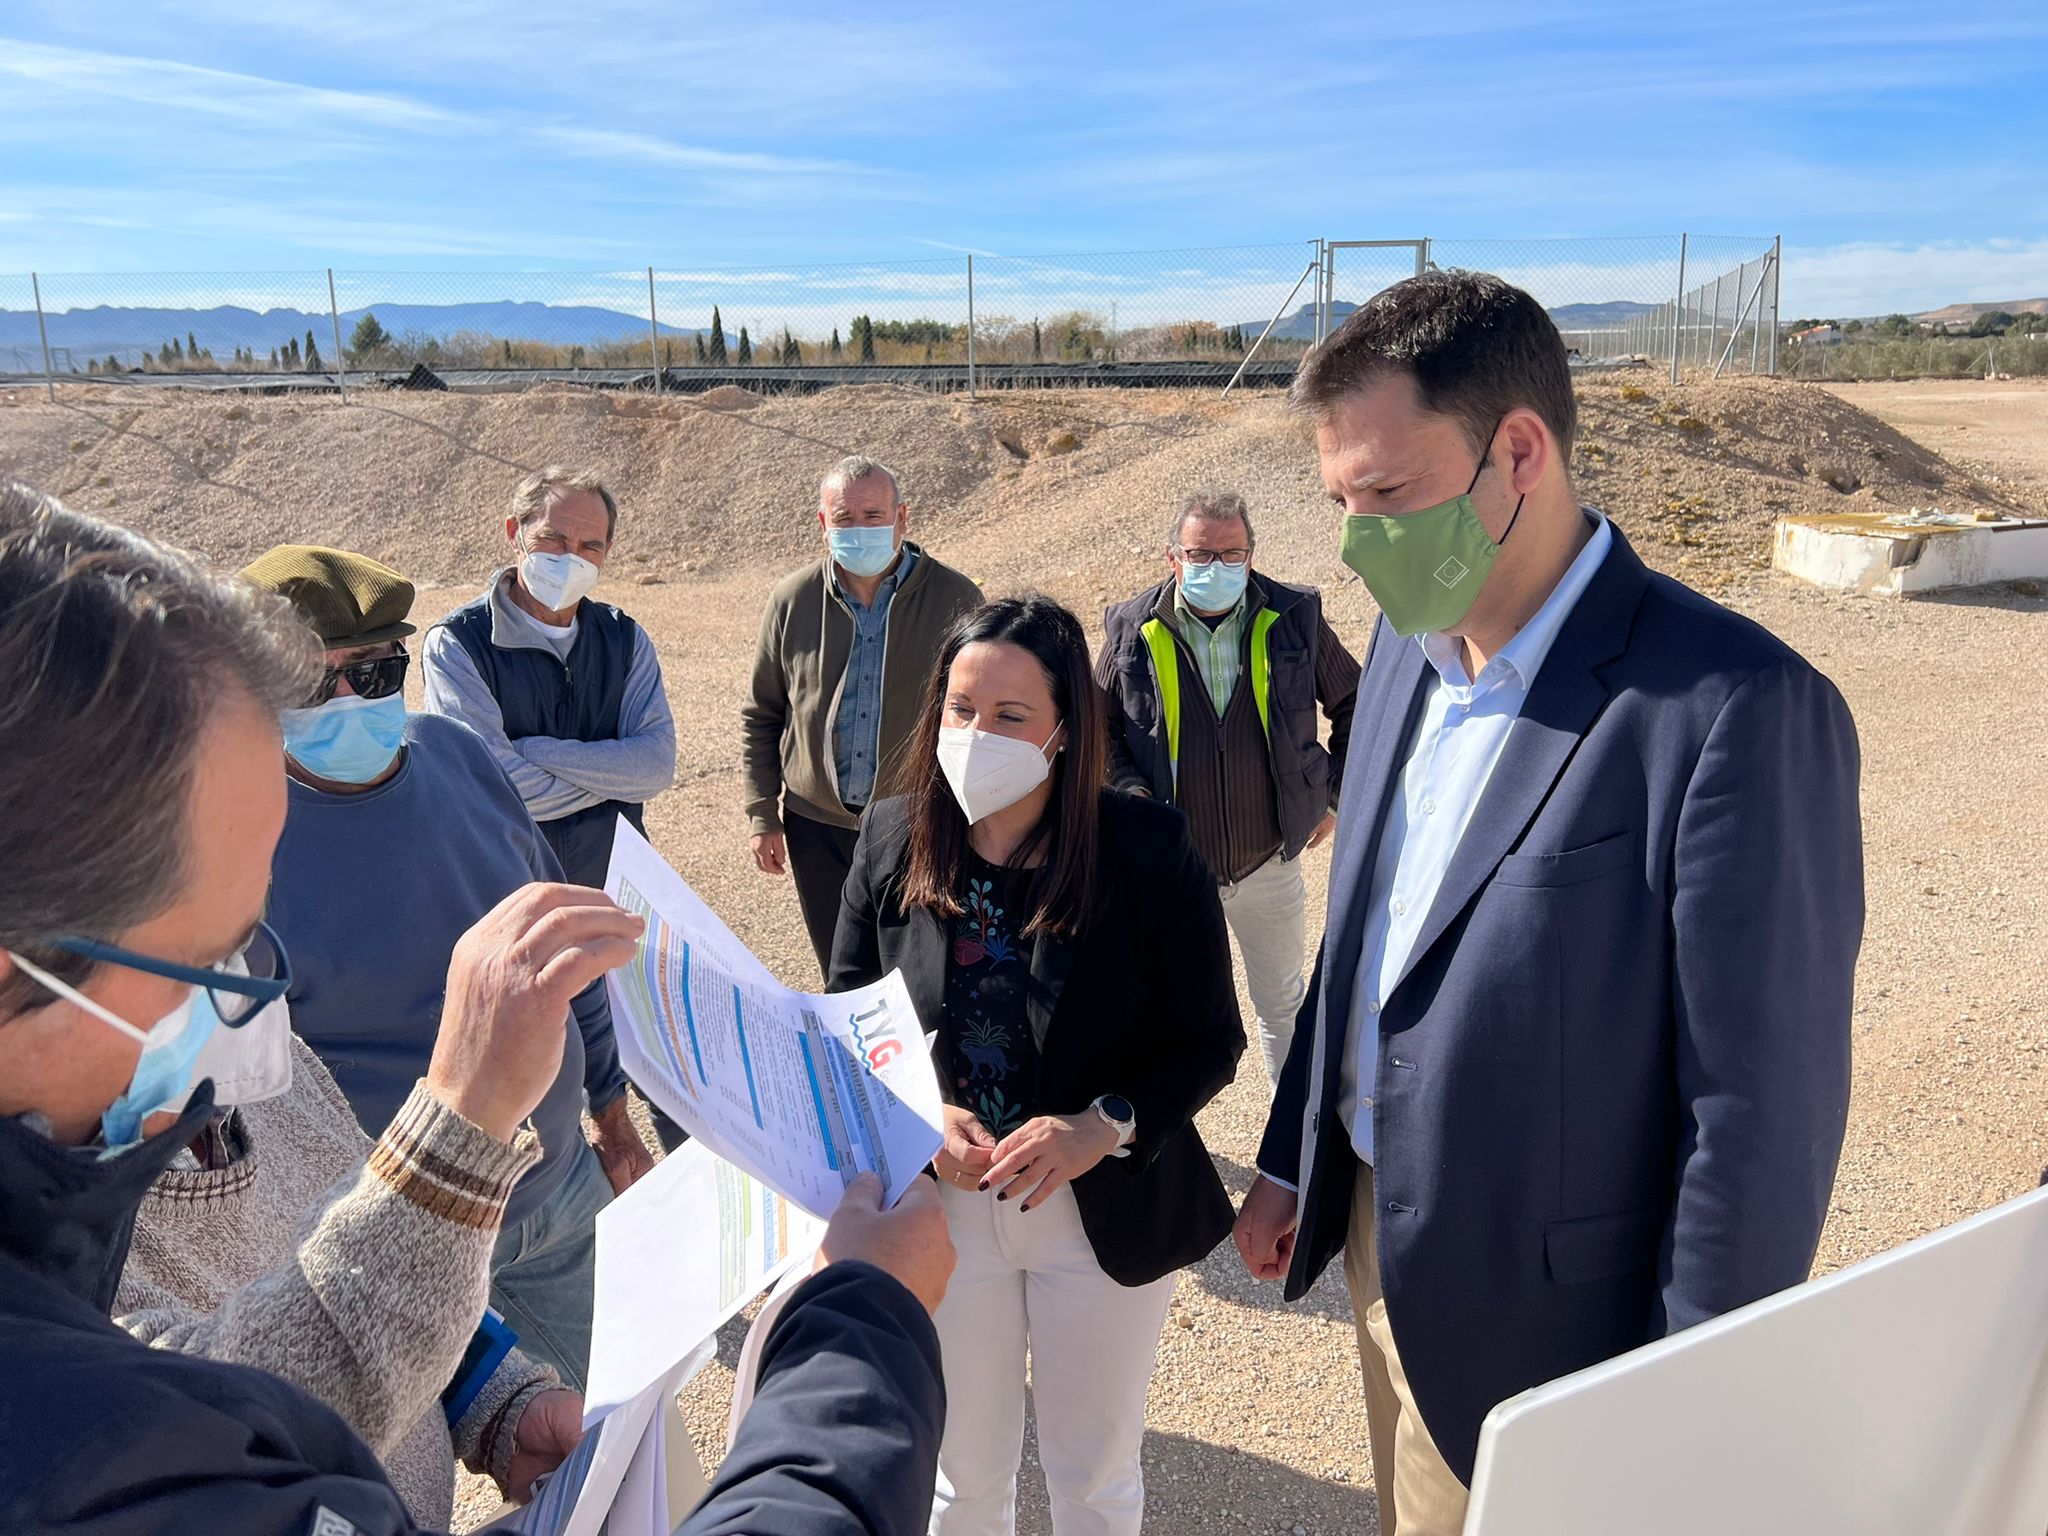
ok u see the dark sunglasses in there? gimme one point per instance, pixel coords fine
(236, 999)
(377, 679)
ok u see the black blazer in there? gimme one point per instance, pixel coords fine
(1143, 1005)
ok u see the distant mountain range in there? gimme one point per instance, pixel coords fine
(130, 334)
(1301, 325)
(127, 334)
(1963, 314)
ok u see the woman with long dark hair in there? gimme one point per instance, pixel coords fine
(1066, 943)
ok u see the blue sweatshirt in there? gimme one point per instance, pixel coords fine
(370, 891)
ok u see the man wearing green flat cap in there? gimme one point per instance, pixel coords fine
(402, 831)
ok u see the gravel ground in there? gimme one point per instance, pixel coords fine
(1256, 1416)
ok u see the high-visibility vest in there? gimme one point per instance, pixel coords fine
(1166, 668)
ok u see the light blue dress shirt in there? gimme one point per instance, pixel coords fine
(1465, 724)
(857, 727)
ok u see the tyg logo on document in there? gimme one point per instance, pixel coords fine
(875, 1032)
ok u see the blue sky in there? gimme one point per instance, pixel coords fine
(1900, 148)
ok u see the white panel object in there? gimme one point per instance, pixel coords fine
(1907, 1394)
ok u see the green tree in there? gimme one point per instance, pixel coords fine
(191, 347)
(274, 363)
(367, 343)
(792, 354)
(746, 354)
(717, 342)
(1994, 322)
(313, 363)
(113, 364)
(1895, 325)
(865, 338)
(1851, 327)
(700, 349)
(836, 352)
(1037, 342)
(177, 352)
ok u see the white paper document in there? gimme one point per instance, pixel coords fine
(802, 1090)
(577, 1496)
(678, 1255)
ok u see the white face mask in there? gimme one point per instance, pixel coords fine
(251, 1062)
(989, 773)
(558, 581)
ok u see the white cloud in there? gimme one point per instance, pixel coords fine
(164, 83)
(614, 144)
(1874, 278)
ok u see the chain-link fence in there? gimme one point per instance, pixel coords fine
(1685, 301)
(1207, 316)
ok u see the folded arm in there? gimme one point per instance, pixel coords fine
(453, 687)
(641, 762)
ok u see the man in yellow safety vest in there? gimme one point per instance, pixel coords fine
(1213, 679)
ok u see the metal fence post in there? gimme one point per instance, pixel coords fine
(1325, 280)
(1777, 273)
(1254, 352)
(1756, 331)
(970, 327)
(340, 361)
(49, 378)
(1678, 308)
(1714, 335)
(653, 332)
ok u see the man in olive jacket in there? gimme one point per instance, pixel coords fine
(844, 655)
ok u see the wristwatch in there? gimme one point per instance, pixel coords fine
(1117, 1110)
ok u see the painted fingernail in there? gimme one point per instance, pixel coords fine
(1004, 1195)
(983, 1186)
(1023, 1207)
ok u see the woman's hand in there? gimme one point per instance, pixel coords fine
(1043, 1155)
(969, 1150)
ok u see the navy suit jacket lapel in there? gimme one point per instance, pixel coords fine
(1568, 696)
(1389, 701)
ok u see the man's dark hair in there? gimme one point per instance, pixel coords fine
(1476, 347)
(116, 653)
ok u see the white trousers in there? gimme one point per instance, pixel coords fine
(1030, 1280)
(1267, 912)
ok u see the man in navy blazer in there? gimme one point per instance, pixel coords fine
(1574, 1067)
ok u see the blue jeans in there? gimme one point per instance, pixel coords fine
(544, 1271)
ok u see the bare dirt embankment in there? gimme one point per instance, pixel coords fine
(1257, 1422)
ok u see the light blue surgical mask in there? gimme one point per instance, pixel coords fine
(1215, 587)
(162, 1078)
(349, 740)
(862, 551)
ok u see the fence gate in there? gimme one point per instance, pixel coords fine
(1354, 270)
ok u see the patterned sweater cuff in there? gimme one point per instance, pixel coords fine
(488, 1435)
(449, 1167)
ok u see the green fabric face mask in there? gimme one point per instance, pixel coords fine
(1424, 568)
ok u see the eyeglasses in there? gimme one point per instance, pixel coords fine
(237, 996)
(378, 678)
(1209, 556)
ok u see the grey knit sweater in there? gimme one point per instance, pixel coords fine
(358, 1272)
